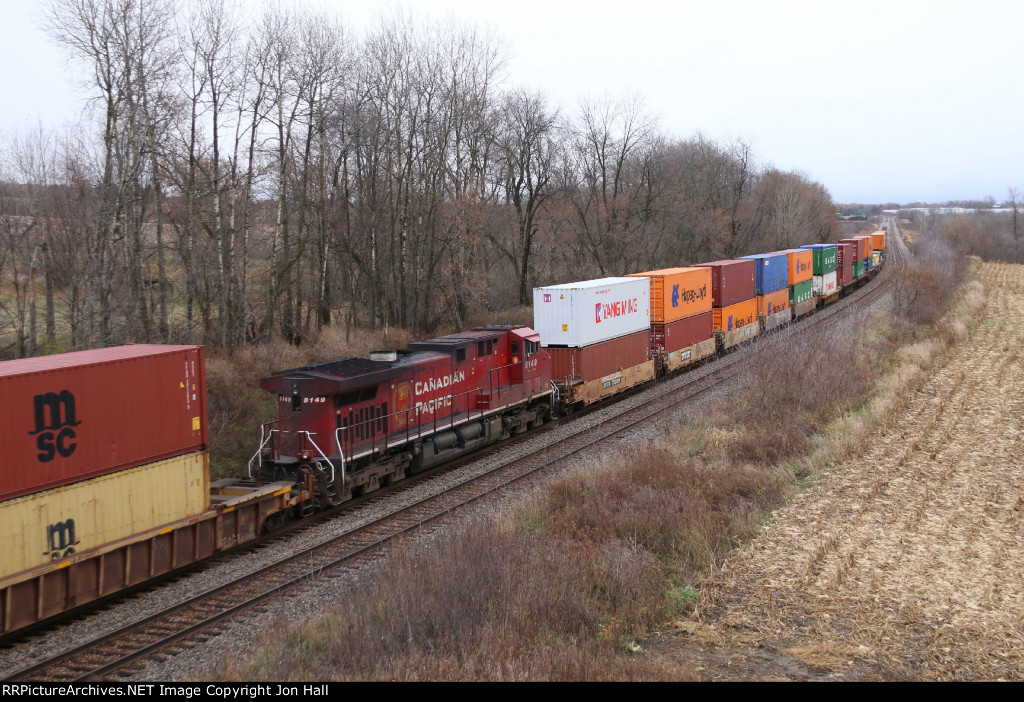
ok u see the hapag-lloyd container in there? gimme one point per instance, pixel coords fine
(878, 240)
(735, 316)
(824, 257)
(75, 416)
(772, 273)
(677, 293)
(825, 285)
(801, 262)
(732, 281)
(591, 311)
(769, 304)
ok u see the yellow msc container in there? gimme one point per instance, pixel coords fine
(50, 526)
(677, 293)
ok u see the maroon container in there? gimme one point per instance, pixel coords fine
(683, 333)
(732, 281)
(847, 253)
(598, 360)
(79, 415)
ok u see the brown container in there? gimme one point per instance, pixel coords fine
(683, 332)
(736, 316)
(76, 416)
(50, 526)
(844, 275)
(732, 280)
(878, 241)
(587, 363)
(769, 304)
(677, 293)
(801, 265)
(847, 253)
(863, 246)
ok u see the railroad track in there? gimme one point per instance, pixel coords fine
(193, 619)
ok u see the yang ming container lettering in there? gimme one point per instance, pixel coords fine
(76, 416)
(772, 272)
(591, 311)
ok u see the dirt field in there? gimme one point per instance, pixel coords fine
(906, 563)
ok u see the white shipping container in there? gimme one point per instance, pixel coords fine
(825, 285)
(591, 311)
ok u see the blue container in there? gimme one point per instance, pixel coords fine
(772, 272)
(867, 264)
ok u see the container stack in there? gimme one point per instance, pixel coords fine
(733, 300)
(772, 287)
(824, 261)
(801, 285)
(115, 445)
(862, 262)
(878, 246)
(597, 333)
(681, 316)
(847, 254)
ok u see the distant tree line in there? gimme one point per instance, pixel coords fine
(250, 178)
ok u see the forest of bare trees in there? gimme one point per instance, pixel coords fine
(244, 178)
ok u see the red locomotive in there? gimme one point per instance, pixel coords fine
(353, 425)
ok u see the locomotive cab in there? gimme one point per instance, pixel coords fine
(356, 424)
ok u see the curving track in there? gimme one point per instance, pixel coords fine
(192, 619)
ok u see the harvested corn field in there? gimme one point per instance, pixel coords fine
(906, 561)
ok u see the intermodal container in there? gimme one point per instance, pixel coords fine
(824, 257)
(847, 253)
(732, 281)
(876, 257)
(587, 363)
(858, 269)
(801, 265)
(683, 332)
(50, 526)
(801, 292)
(844, 275)
(769, 304)
(677, 293)
(825, 285)
(75, 416)
(868, 264)
(772, 273)
(878, 241)
(735, 316)
(863, 246)
(591, 311)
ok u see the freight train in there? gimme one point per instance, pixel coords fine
(107, 482)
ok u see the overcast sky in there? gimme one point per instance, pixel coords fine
(879, 100)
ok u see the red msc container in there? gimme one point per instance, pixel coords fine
(598, 360)
(863, 246)
(732, 281)
(75, 416)
(683, 332)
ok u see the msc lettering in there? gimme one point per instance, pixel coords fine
(54, 433)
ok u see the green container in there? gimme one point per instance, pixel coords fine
(858, 269)
(801, 292)
(825, 259)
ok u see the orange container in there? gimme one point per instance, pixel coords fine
(736, 316)
(677, 293)
(801, 264)
(771, 303)
(878, 241)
